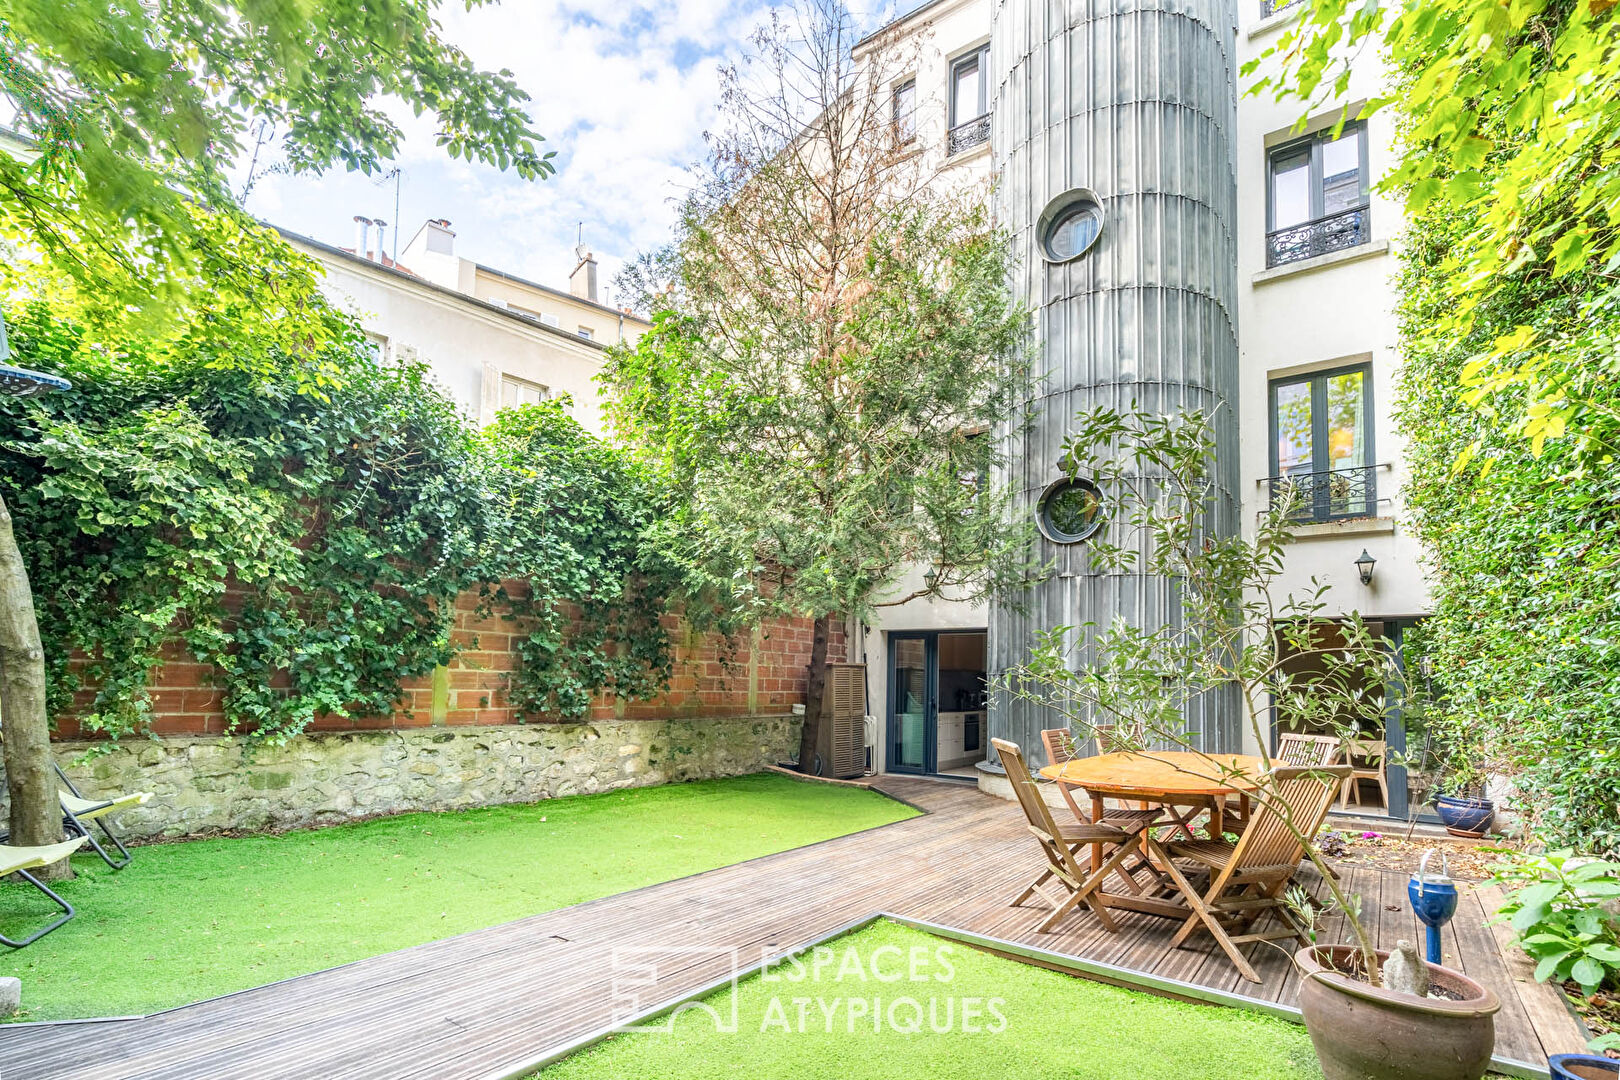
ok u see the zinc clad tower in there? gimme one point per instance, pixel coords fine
(1126, 110)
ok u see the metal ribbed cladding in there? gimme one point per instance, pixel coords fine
(1136, 100)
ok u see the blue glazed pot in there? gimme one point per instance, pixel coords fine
(1582, 1067)
(1465, 817)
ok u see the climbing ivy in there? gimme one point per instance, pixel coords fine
(568, 517)
(258, 487)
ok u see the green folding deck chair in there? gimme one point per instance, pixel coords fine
(78, 812)
(20, 860)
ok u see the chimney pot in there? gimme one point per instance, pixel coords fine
(382, 230)
(582, 282)
(361, 225)
(440, 239)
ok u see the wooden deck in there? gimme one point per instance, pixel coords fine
(482, 1004)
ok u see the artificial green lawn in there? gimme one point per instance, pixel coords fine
(192, 920)
(1055, 1026)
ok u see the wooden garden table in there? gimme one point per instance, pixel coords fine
(1168, 777)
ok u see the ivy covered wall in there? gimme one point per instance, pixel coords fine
(241, 520)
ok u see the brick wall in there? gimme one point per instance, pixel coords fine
(763, 675)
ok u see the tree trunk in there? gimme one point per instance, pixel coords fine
(815, 689)
(36, 816)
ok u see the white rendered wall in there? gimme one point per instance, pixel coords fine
(1337, 311)
(467, 345)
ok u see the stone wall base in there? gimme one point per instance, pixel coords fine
(210, 784)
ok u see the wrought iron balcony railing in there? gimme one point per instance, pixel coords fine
(1326, 496)
(967, 136)
(1334, 232)
(1269, 8)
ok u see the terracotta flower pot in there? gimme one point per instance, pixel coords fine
(1365, 1032)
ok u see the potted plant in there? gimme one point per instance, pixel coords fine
(1461, 801)
(1363, 1028)
(1236, 646)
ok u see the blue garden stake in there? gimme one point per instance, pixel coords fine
(1434, 900)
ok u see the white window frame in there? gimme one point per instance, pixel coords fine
(520, 385)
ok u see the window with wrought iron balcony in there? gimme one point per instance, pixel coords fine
(1316, 196)
(969, 102)
(1322, 448)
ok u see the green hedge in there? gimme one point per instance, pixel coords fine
(1515, 493)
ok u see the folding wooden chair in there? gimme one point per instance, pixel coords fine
(1306, 750)
(1298, 749)
(1060, 749)
(1059, 843)
(1247, 878)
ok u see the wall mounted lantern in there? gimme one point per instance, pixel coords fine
(1364, 567)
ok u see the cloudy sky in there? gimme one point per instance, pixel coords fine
(622, 92)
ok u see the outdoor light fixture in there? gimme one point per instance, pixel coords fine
(931, 578)
(1364, 567)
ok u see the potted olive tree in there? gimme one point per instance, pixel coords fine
(1236, 639)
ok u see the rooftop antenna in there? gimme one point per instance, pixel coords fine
(263, 130)
(395, 174)
(579, 244)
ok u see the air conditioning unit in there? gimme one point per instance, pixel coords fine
(841, 746)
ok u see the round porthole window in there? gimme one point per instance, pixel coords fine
(1070, 225)
(1069, 511)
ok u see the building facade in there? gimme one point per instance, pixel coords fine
(1182, 245)
(490, 338)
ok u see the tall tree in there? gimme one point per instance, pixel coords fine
(137, 110)
(830, 353)
(135, 113)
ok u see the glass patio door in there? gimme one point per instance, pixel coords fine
(913, 708)
(1399, 736)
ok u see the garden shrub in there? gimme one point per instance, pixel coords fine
(1560, 914)
(1508, 399)
(1523, 547)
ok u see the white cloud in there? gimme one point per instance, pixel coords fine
(623, 93)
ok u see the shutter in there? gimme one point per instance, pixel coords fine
(846, 714)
